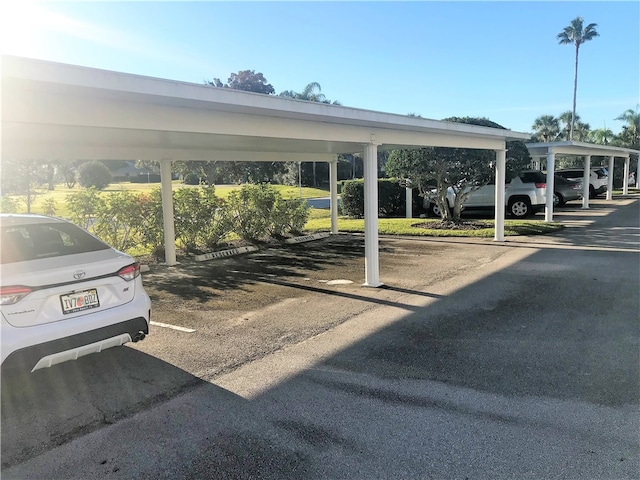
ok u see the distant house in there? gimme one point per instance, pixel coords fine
(129, 173)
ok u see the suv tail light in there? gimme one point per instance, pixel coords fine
(11, 295)
(541, 185)
(129, 272)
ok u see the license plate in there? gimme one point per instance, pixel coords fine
(79, 301)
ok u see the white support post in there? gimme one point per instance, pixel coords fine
(371, 260)
(610, 179)
(408, 200)
(625, 177)
(551, 161)
(585, 182)
(167, 213)
(501, 159)
(333, 194)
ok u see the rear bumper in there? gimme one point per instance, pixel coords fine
(69, 348)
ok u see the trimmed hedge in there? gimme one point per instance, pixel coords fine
(391, 199)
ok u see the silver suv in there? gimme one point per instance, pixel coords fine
(598, 179)
(524, 195)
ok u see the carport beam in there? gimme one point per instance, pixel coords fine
(610, 179)
(371, 261)
(551, 160)
(167, 213)
(333, 195)
(625, 177)
(501, 160)
(585, 182)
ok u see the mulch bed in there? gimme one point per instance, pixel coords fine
(449, 225)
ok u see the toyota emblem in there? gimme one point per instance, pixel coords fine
(79, 274)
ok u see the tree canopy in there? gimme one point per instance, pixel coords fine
(462, 169)
(246, 80)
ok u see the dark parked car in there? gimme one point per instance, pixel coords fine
(565, 190)
(598, 178)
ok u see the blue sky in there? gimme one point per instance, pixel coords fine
(499, 60)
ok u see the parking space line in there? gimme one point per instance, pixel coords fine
(174, 327)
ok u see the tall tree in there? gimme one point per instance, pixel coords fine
(631, 131)
(463, 170)
(565, 119)
(601, 136)
(546, 128)
(576, 34)
(311, 93)
(247, 80)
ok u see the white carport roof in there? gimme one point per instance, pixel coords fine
(52, 111)
(572, 148)
(577, 148)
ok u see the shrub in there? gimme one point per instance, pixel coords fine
(288, 215)
(84, 207)
(352, 199)
(9, 204)
(200, 219)
(250, 210)
(118, 220)
(391, 199)
(94, 174)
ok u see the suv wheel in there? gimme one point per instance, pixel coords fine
(520, 207)
(435, 210)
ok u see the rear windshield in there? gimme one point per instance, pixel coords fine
(19, 243)
(533, 177)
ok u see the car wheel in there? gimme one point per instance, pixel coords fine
(520, 207)
(435, 210)
(558, 200)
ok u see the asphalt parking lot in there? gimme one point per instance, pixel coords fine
(476, 360)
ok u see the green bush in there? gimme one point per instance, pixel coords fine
(288, 215)
(84, 207)
(94, 174)
(8, 204)
(118, 220)
(352, 199)
(198, 219)
(250, 211)
(391, 199)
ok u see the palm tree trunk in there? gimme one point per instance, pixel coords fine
(575, 89)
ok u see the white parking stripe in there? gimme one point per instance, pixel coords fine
(174, 327)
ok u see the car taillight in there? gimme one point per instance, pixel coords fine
(541, 185)
(11, 295)
(130, 272)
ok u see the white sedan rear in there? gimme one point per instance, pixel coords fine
(64, 293)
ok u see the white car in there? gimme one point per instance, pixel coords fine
(598, 178)
(525, 195)
(64, 293)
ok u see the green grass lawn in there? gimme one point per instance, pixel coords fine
(320, 221)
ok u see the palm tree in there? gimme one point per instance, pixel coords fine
(575, 34)
(581, 131)
(633, 125)
(311, 93)
(601, 136)
(566, 118)
(546, 128)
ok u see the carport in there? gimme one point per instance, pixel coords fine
(549, 150)
(59, 111)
